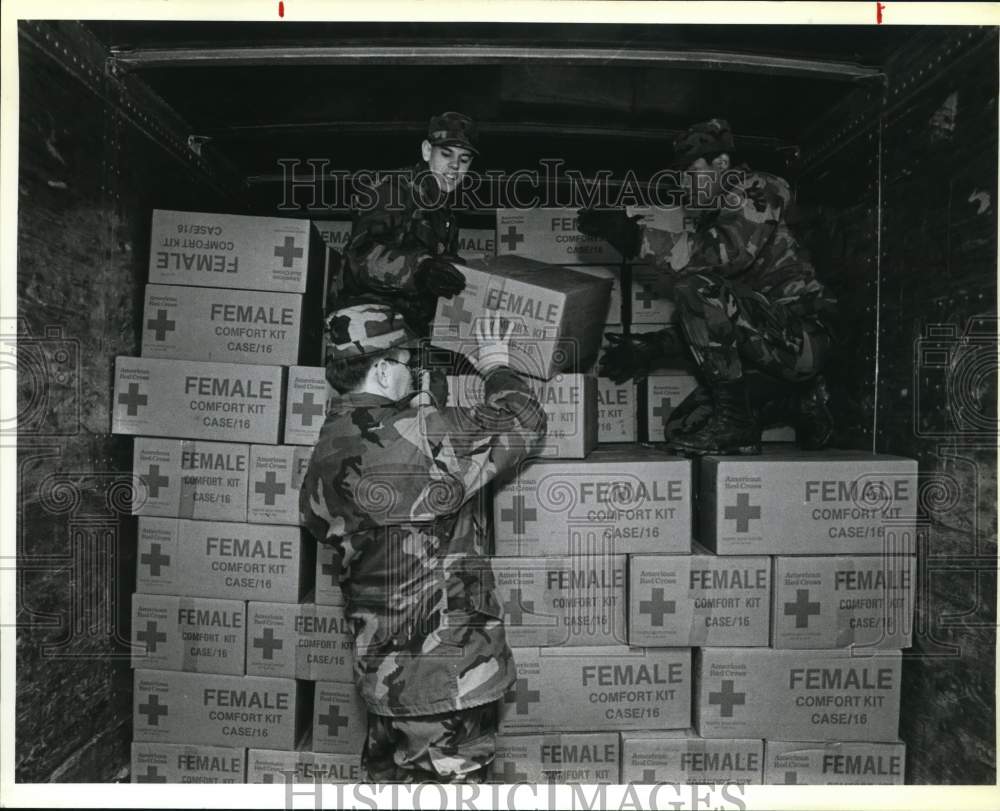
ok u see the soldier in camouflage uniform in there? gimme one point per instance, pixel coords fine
(404, 236)
(747, 298)
(395, 486)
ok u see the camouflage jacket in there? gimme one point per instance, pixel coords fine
(401, 221)
(748, 242)
(397, 488)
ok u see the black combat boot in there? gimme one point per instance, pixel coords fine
(814, 426)
(732, 429)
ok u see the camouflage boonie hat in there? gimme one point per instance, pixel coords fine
(704, 139)
(453, 129)
(365, 329)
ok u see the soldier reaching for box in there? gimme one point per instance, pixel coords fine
(395, 486)
(404, 237)
(747, 299)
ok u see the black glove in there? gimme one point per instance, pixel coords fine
(628, 357)
(439, 277)
(621, 231)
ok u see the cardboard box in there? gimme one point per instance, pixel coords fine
(835, 602)
(229, 326)
(621, 499)
(550, 235)
(335, 233)
(273, 766)
(276, 473)
(339, 719)
(193, 634)
(562, 601)
(595, 689)
(616, 411)
(299, 641)
(553, 311)
(789, 763)
(614, 314)
(649, 305)
(569, 402)
(226, 402)
(234, 250)
(186, 763)
(696, 600)
(306, 397)
(683, 757)
(809, 503)
(477, 243)
(201, 708)
(224, 560)
(180, 478)
(665, 390)
(797, 695)
(570, 757)
(327, 577)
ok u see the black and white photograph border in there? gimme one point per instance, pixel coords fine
(729, 457)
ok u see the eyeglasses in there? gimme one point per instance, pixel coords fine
(413, 368)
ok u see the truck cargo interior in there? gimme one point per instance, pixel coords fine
(887, 136)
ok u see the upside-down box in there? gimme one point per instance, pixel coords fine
(229, 402)
(683, 757)
(307, 395)
(237, 711)
(815, 695)
(299, 641)
(224, 560)
(339, 719)
(570, 757)
(621, 499)
(180, 478)
(697, 600)
(186, 763)
(838, 601)
(595, 689)
(809, 503)
(789, 763)
(275, 766)
(562, 601)
(229, 326)
(193, 634)
(550, 235)
(233, 250)
(569, 402)
(553, 311)
(276, 473)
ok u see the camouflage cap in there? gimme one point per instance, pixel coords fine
(453, 129)
(366, 329)
(704, 139)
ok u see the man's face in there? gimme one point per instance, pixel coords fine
(702, 180)
(394, 376)
(448, 164)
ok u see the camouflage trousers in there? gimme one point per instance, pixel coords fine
(450, 747)
(728, 326)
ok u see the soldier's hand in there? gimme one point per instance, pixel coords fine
(626, 359)
(439, 277)
(615, 226)
(492, 336)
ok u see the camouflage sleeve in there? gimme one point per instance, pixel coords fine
(380, 255)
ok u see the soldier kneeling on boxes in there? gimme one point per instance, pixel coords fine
(395, 486)
(747, 298)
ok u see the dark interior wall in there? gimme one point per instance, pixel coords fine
(913, 259)
(938, 387)
(91, 170)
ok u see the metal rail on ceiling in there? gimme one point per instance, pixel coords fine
(480, 54)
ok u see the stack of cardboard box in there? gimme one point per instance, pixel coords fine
(236, 678)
